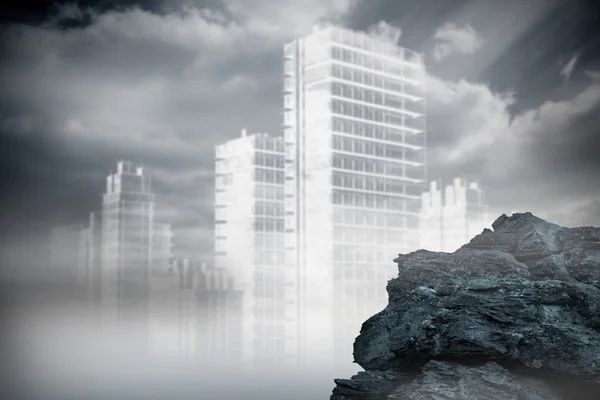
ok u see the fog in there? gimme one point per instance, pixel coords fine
(58, 348)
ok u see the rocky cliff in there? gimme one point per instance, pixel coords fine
(514, 314)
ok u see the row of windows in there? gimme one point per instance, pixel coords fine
(364, 42)
(368, 200)
(129, 183)
(269, 240)
(268, 208)
(269, 159)
(365, 129)
(268, 192)
(128, 205)
(379, 268)
(342, 107)
(269, 291)
(269, 176)
(235, 162)
(370, 183)
(361, 300)
(375, 80)
(127, 222)
(373, 219)
(374, 63)
(269, 257)
(137, 238)
(271, 272)
(381, 237)
(264, 224)
(269, 143)
(380, 167)
(369, 148)
(377, 97)
(224, 181)
(360, 255)
(131, 223)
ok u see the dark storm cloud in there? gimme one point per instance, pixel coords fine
(162, 83)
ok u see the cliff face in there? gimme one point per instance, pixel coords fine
(514, 314)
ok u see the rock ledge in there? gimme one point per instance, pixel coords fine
(513, 314)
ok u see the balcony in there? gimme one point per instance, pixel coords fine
(288, 52)
(219, 155)
(289, 84)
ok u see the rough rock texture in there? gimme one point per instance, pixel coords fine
(516, 309)
(446, 380)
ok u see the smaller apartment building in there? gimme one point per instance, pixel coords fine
(249, 238)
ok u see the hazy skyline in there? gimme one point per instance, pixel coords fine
(513, 95)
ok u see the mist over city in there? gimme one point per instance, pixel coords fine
(229, 199)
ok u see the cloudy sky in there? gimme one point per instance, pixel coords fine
(513, 95)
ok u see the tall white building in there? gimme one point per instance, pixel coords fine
(162, 236)
(451, 216)
(354, 132)
(249, 238)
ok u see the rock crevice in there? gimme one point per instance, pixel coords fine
(515, 312)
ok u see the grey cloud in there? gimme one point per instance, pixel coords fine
(385, 30)
(452, 39)
(506, 54)
(541, 158)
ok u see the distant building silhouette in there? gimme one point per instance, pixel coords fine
(90, 249)
(127, 221)
(451, 216)
(173, 315)
(354, 132)
(162, 238)
(221, 314)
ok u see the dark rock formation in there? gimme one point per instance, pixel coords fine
(514, 314)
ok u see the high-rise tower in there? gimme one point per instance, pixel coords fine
(354, 131)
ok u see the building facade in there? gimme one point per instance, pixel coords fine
(162, 243)
(452, 215)
(174, 318)
(354, 132)
(127, 226)
(249, 239)
(90, 253)
(219, 305)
